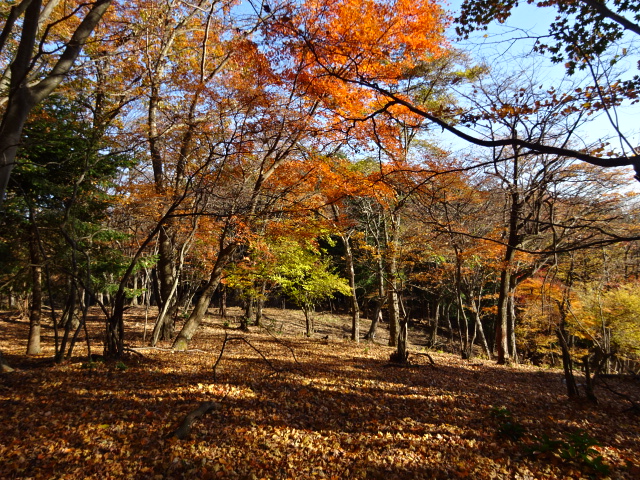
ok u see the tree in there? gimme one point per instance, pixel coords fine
(251, 277)
(58, 199)
(345, 238)
(306, 278)
(463, 261)
(583, 35)
(583, 30)
(32, 75)
(368, 74)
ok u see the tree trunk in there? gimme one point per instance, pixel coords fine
(483, 339)
(223, 301)
(80, 325)
(134, 300)
(502, 324)
(351, 275)
(433, 334)
(155, 287)
(589, 380)
(249, 312)
(308, 321)
(377, 316)
(193, 322)
(393, 310)
(513, 351)
(164, 326)
(513, 240)
(567, 363)
(393, 304)
(169, 271)
(451, 332)
(167, 279)
(35, 315)
(68, 319)
(114, 332)
(472, 340)
(22, 96)
(401, 355)
(165, 323)
(260, 303)
(463, 326)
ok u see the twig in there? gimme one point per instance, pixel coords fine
(240, 339)
(427, 355)
(133, 350)
(635, 407)
(258, 351)
(215, 365)
(288, 347)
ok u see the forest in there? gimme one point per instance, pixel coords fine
(250, 213)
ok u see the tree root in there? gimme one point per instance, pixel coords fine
(185, 427)
(396, 361)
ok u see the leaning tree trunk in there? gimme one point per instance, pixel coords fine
(567, 363)
(483, 339)
(68, 319)
(193, 322)
(163, 328)
(165, 323)
(589, 379)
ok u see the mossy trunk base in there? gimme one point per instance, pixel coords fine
(181, 344)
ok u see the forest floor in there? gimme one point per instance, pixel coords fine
(293, 407)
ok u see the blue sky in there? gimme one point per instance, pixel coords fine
(501, 44)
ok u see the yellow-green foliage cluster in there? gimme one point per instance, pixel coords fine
(614, 312)
(622, 310)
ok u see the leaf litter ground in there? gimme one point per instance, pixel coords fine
(311, 408)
